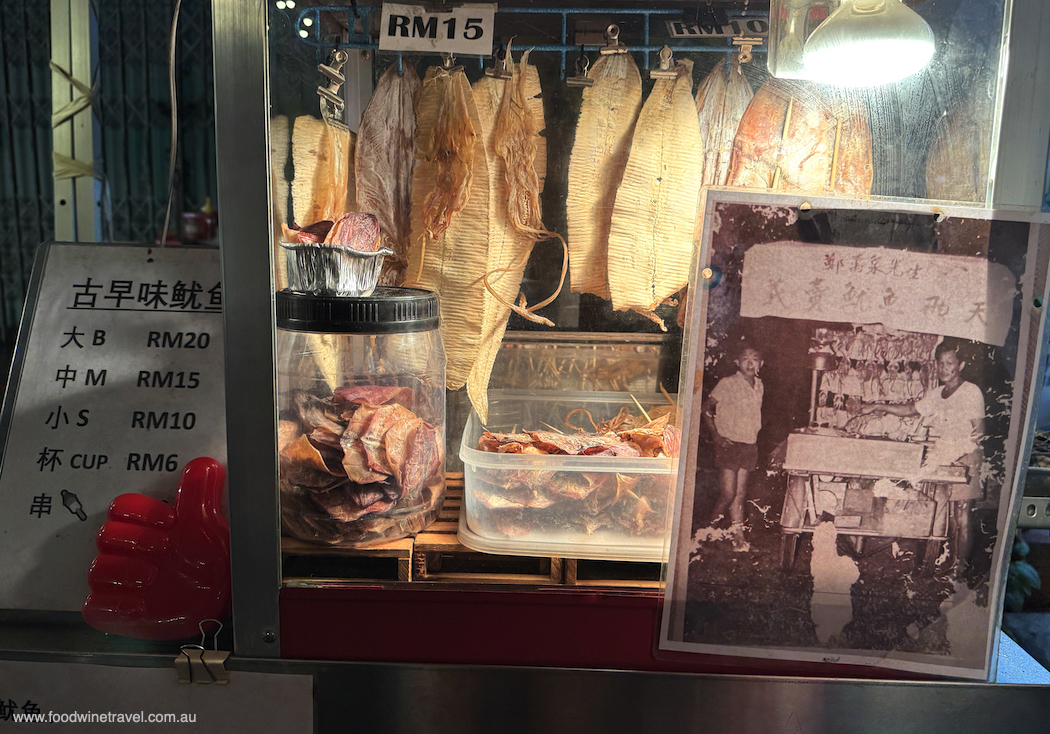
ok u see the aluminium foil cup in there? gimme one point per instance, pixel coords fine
(330, 270)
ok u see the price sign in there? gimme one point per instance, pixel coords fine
(466, 29)
(711, 28)
(117, 384)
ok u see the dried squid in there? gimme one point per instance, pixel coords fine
(790, 139)
(511, 115)
(721, 100)
(603, 141)
(450, 213)
(957, 164)
(653, 227)
(385, 148)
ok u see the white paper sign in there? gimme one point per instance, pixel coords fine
(118, 386)
(466, 29)
(735, 27)
(70, 697)
(966, 297)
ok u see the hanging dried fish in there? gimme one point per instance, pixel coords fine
(450, 213)
(321, 161)
(653, 229)
(386, 143)
(721, 100)
(957, 164)
(791, 139)
(599, 155)
(511, 116)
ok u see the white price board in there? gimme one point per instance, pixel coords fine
(117, 383)
(76, 697)
(466, 29)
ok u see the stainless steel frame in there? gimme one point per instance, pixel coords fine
(242, 113)
(468, 699)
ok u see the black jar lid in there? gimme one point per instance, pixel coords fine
(387, 311)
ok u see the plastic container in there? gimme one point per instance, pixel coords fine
(625, 519)
(361, 396)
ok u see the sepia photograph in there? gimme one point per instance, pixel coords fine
(859, 379)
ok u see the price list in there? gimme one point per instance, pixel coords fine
(117, 383)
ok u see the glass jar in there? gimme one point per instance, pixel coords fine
(361, 430)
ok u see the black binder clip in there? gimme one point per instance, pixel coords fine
(612, 41)
(580, 79)
(197, 665)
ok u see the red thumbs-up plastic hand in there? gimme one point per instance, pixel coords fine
(161, 569)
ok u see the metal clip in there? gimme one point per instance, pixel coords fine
(581, 79)
(612, 41)
(331, 100)
(667, 69)
(746, 43)
(499, 68)
(197, 665)
(448, 64)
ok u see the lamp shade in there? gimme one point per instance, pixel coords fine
(868, 43)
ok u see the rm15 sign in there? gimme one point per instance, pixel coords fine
(466, 29)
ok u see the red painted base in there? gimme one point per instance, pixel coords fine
(536, 627)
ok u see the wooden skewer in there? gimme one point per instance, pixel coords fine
(647, 418)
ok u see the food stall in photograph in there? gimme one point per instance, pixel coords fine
(494, 280)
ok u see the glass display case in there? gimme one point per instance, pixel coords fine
(333, 108)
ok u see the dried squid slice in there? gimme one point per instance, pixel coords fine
(449, 252)
(509, 246)
(957, 164)
(721, 100)
(603, 141)
(791, 139)
(385, 148)
(654, 217)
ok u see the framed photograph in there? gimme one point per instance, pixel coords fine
(860, 382)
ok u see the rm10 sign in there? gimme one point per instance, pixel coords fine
(466, 29)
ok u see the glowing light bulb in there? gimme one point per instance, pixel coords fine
(281, 5)
(308, 22)
(303, 34)
(868, 43)
(290, 4)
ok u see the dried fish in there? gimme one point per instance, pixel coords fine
(356, 231)
(304, 466)
(386, 143)
(450, 213)
(511, 117)
(315, 412)
(574, 445)
(599, 155)
(374, 394)
(721, 100)
(287, 431)
(957, 163)
(355, 461)
(792, 139)
(321, 160)
(653, 228)
(349, 503)
(426, 456)
(384, 418)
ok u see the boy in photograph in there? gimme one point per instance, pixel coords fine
(733, 415)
